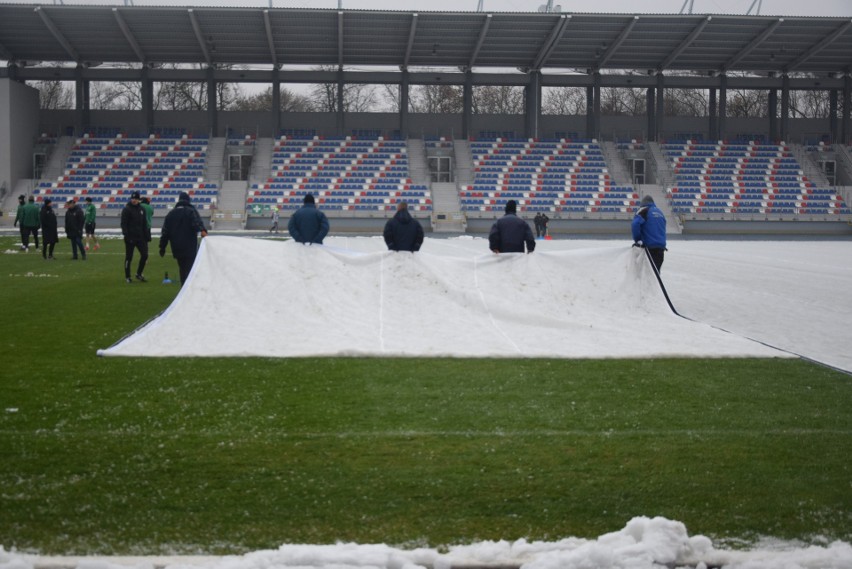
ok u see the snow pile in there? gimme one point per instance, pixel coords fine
(644, 543)
(282, 299)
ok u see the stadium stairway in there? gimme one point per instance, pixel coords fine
(232, 206)
(447, 214)
(58, 157)
(615, 163)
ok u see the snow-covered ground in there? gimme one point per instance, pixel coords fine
(572, 298)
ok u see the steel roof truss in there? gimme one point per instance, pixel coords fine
(199, 36)
(483, 31)
(753, 45)
(131, 39)
(340, 39)
(551, 43)
(410, 45)
(267, 24)
(696, 31)
(617, 43)
(57, 34)
(818, 47)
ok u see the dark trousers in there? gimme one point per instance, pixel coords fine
(129, 246)
(47, 249)
(25, 236)
(184, 267)
(77, 243)
(657, 255)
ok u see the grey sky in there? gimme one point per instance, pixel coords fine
(768, 7)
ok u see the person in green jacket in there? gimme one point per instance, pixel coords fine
(91, 213)
(30, 223)
(19, 216)
(149, 215)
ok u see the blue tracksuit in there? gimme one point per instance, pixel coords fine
(649, 227)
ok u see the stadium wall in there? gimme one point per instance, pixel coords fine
(420, 125)
(19, 121)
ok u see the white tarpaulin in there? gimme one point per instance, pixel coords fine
(251, 297)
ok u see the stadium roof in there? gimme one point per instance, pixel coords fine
(90, 35)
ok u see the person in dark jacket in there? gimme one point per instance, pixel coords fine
(49, 229)
(181, 228)
(649, 230)
(75, 221)
(133, 227)
(537, 223)
(403, 232)
(308, 224)
(19, 216)
(30, 223)
(510, 233)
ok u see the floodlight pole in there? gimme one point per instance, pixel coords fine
(685, 2)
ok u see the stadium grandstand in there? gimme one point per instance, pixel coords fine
(712, 173)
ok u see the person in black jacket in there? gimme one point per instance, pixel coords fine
(403, 232)
(75, 221)
(181, 228)
(308, 224)
(133, 225)
(510, 233)
(49, 229)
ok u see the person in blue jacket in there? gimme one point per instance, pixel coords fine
(649, 230)
(308, 224)
(510, 233)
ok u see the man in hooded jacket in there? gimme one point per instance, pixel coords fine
(75, 221)
(133, 224)
(403, 232)
(510, 233)
(649, 230)
(181, 228)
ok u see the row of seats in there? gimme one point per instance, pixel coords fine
(110, 168)
(550, 176)
(744, 178)
(343, 173)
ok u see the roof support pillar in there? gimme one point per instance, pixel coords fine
(660, 115)
(82, 101)
(341, 125)
(651, 110)
(276, 102)
(533, 105)
(404, 86)
(832, 114)
(593, 107)
(846, 125)
(773, 115)
(467, 104)
(713, 127)
(785, 107)
(723, 106)
(212, 106)
(147, 99)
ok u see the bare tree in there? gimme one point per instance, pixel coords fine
(498, 99)
(357, 97)
(623, 101)
(54, 95)
(743, 103)
(810, 104)
(564, 101)
(262, 101)
(686, 102)
(115, 95)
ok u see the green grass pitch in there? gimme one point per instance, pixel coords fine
(204, 455)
